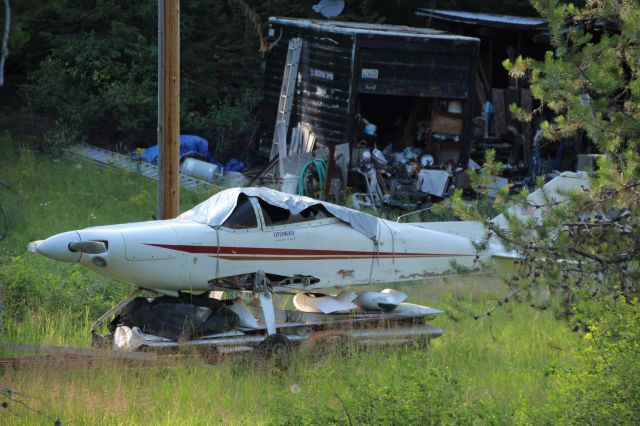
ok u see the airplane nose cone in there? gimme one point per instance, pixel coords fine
(57, 247)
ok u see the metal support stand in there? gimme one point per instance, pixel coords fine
(115, 310)
(263, 289)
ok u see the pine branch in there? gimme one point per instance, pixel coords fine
(257, 23)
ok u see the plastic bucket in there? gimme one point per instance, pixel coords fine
(290, 183)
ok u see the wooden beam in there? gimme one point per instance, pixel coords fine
(481, 94)
(499, 118)
(169, 121)
(486, 84)
(44, 350)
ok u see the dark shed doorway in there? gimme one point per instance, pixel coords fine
(399, 120)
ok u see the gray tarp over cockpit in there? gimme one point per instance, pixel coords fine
(216, 210)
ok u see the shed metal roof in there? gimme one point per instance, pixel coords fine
(354, 28)
(485, 19)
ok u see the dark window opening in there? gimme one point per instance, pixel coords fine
(276, 216)
(316, 212)
(243, 216)
(273, 215)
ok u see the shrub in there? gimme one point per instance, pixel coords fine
(603, 387)
(58, 138)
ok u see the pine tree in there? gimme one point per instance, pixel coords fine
(586, 250)
(590, 84)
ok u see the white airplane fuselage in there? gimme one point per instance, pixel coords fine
(298, 241)
(179, 254)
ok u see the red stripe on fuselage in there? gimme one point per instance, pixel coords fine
(213, 250)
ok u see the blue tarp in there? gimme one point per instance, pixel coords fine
(190, 145)
(234, 165)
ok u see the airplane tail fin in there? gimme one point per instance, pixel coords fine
(539, 200)
(537, 203)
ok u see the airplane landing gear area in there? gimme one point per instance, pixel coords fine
(232, 325)
(277, 347)
(205, 328)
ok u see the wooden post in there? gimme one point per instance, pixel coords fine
(169, 108)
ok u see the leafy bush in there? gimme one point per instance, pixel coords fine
(100, 82)
(59, 137)
(228, 125)
(603, 387)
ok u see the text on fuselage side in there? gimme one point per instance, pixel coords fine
(284, 234)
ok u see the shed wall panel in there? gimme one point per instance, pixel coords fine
(411, 69)
(329, 80)
(322, 92)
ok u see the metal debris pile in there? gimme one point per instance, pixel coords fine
(235, 324)
(409, 178)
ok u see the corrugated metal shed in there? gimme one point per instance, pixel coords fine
(341, 60)
(502, 37)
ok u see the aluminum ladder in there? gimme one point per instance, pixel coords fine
(103, 158)
(285, 104)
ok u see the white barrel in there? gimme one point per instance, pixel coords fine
(199, 169)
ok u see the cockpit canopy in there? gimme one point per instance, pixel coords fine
(232, 208)
(243, 215)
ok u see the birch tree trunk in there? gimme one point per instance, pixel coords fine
(5, 39)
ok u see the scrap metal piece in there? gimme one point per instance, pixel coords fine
(266, 301)
(116, 309)
(385, 300)
(245, 316)
(262, 286)
(412, 310)
(324, 303)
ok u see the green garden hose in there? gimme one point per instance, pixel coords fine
(320, 168)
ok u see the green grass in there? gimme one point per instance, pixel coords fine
(498, 368)
(49, 196)
(495, 370)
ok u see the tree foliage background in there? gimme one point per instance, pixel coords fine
(92, 65)
(587, 250)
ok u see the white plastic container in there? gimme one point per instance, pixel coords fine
(290, 183)
(454, 107)
(199, 169)
(236, 179)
